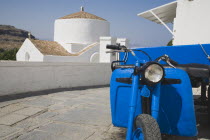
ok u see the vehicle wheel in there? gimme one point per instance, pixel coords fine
(146, 128)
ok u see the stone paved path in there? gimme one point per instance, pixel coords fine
(67, 115)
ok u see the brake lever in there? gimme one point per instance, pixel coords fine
(167, 60)
(114, 51)
(169, 63)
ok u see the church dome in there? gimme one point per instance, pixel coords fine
(82, 14)
(81, 28)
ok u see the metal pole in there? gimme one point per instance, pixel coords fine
(132, 105)
(162, 22)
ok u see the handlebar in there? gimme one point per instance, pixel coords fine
(121, 48)
(115, 47)
(124, 66)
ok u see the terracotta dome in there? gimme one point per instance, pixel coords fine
(82, 14)
(80, 28)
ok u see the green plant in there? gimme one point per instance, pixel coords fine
(8, 54)
(170, 43)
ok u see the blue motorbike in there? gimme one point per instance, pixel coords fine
(149, 98)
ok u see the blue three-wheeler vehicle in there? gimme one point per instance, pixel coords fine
(153, 96)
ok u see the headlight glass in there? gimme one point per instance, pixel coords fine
(154, 73)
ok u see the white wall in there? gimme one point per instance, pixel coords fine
(103, 56)
(73, 47)
(29, 48)
(36, 56)
(20, 77)
(109, 57)
(78, 47)
(84, 31)
(66, 46)
(192, 22)
(94, 57)
(124, 42)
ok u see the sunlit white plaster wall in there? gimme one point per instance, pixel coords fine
(29, 50)
(84, 31)
(191, 25)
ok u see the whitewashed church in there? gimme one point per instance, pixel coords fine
(78, 37)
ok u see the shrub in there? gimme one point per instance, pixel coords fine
(170, 43)
(8, 54)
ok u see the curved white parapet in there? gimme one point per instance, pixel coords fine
(84, 31)
(94, 57)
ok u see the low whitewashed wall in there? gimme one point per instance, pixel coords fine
(20, 77)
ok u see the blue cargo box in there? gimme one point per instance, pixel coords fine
(176, 115)
(182, 54)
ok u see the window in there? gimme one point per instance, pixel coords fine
(27, 56)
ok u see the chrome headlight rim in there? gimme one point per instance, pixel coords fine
(144, 68)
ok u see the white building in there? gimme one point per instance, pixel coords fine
(76, 39)
(190, 18)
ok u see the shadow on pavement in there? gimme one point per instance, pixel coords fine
(44, 92)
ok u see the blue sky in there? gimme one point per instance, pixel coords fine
(38, 16)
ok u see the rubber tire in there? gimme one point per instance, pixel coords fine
(149, 126)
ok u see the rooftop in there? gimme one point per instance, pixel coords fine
(166, 13)
(50, 48)
(54, 48)
(82, 14)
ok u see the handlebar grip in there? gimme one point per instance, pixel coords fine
(113, 47)
(124, 66)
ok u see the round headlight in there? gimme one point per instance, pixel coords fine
(153, 73)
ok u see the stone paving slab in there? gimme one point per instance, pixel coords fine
(85, 116)
(39, 135)
(29, 111)
(47, 115)
(7, 130)
(32, 123)
(69, 130)
(41, 102)
(10, 102)
(11, 108)
(12, 119)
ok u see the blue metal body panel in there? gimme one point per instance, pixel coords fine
(176, 110)
(182, 54)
